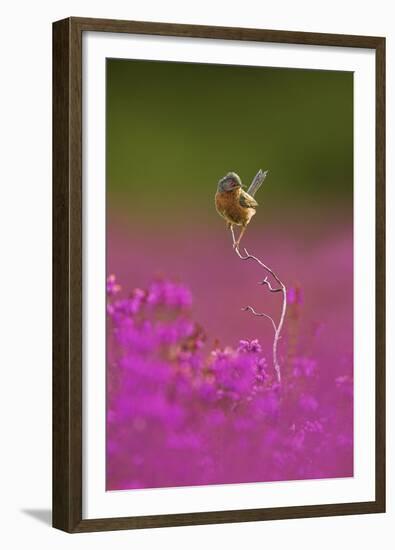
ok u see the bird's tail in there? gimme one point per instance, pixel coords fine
(257, 182)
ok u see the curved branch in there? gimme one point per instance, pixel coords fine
(250, 308)
(267, 283)
(277, 327)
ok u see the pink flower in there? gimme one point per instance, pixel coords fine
(294, 296)
(249, 346)
(112, 287)
(179, 414)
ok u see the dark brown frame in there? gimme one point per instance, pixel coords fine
(67, 274)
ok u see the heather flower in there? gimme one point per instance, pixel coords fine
(308, 403)
(221, 354)
(181, 414)
(294, 296)
(298, 440)
(261, 365)
(184, 356)
(304, 366)
(135, 301)
(249, 346)
(344, 440)
(313, 426)
(345, 385)
(169, 294)
(216, 417)
(112, 287)
(183, 441)
(243, 423)
(207, 391)
(260, 368)
(267, 405)
(171, 333)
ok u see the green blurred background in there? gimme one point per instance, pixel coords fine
(173, 129)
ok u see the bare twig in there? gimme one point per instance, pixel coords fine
(277, 327)
(267, 283)
(250, 308)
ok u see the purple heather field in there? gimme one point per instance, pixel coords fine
(192, 396)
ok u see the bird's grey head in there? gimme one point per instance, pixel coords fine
(229, 182)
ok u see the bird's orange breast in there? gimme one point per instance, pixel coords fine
(229, 207)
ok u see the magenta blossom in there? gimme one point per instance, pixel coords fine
(182, 413)
(249, 346)
(112, 287)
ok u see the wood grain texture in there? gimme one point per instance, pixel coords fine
(67, 274)
(225, 33)
(67, 277)
(380, 278)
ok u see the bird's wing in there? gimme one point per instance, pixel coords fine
(257, 182)
(246, 200)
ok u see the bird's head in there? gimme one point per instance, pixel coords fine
(229, 182)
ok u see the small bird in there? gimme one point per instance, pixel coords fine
(234, 204)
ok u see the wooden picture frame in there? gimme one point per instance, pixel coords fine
(68, 269)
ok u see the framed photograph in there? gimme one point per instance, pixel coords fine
(218, 274)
